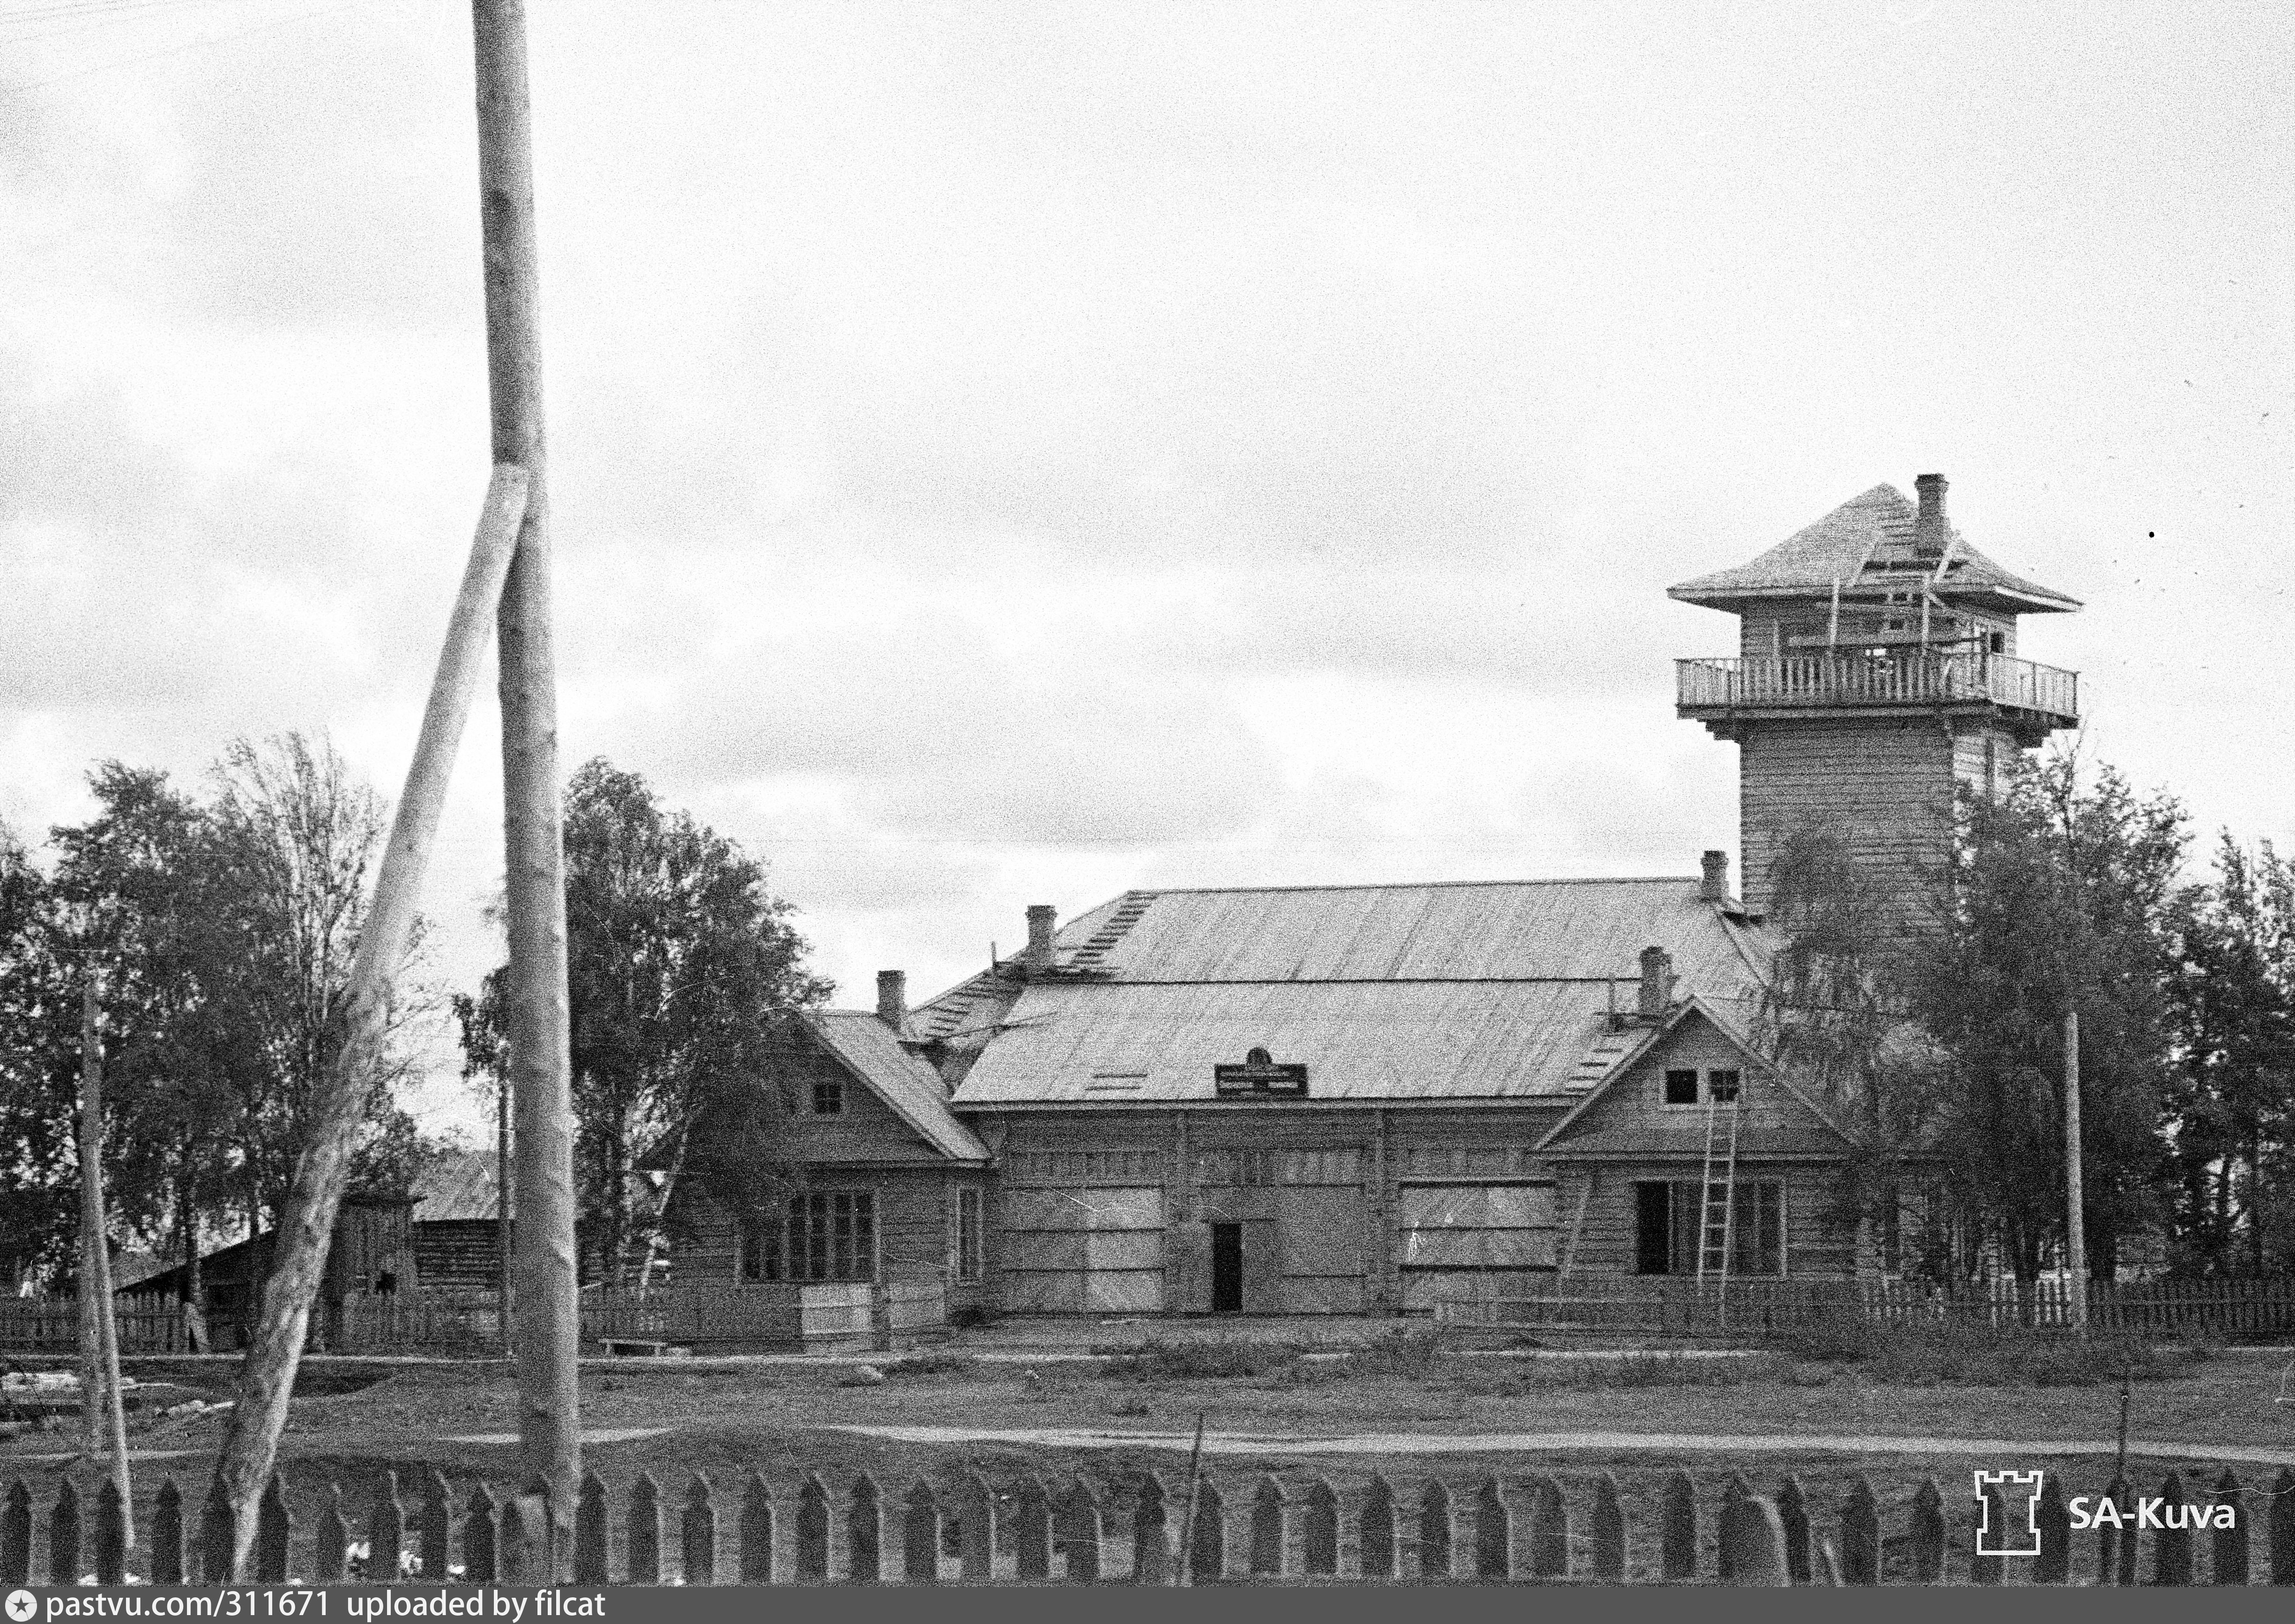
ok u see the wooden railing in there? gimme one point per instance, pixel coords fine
(1146, 1528)
(1861, 678)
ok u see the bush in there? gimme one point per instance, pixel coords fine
(1975, 1353)
(1406, 1351)
(1211, 1357)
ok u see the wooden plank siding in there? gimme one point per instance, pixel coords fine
(916, 1226)
(1814, 1248)
(1888, 781)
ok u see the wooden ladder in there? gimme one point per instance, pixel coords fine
(1717, 1198)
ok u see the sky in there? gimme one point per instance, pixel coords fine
(1010, 454)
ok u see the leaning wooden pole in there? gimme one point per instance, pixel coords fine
(266, 1379)
(2075, 1194)
(547, 1333)
(96, 1287)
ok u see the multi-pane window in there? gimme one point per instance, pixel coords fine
(1668, 1222)
(829, 1098)
(1721, 1085)
(825, 1235)
(967, 1233)
(1681, 1086)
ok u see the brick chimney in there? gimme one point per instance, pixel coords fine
(1714, 887)
(893, 997)
(1928, 524)
(1657, 984)
(1039, 956)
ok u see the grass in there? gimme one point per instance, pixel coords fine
(1210, 1357)
(1415, 1351)
(1967, 1353)
(930, 1362)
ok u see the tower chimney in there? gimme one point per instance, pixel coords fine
(1041, 916)
(1714, 885)
(891, 997)
(1657, 984)
(1928, 524)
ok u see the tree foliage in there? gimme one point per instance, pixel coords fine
(682, 973)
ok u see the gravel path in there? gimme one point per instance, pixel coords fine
(1463, 1443)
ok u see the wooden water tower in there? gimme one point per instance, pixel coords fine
(1877, 666)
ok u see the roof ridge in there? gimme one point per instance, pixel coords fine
(1428, 884)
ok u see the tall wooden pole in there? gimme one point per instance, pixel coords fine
(299, 1254)
(2075, 1214)
(547, 1333)
(96, 1285)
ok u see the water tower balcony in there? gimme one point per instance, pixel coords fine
(2032, 698)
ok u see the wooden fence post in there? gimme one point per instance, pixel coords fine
(1206, 1551)
(1264, 1553)
(1152, 1554)
(1860, 1535)
(1549, 1531)
(2171, 1547)
(812, 1531)
(166, 1536)
(2228, 1560)
(976, 1504)
(1375, 1539)
(696, 1535)
(1679, 1511)
(1928, 1533)
(921, 1535)
(1318, 1530)
(218, 1550)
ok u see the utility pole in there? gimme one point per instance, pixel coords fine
(548, 1332)
(99, 1353)
(2075, 1215)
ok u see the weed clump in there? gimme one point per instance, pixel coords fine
(1967, 1352)
(1411, 1352)
(929, 1361)
(1211, 1356)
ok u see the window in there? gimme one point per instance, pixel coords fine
(827, 1235)
(967, 1233)
(1997, 642)
(1668, 1217)
(1721, 1085)
(829, 1098)
(1681, 1087)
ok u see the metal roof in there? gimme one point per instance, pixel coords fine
(1473, 991)
(1837, 547)
(1518, 930)
(903, 1080)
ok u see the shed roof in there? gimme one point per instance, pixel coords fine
(1842, 546)
(456, 1186)
(905, 1081)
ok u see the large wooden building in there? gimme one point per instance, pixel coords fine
(1379, 1098)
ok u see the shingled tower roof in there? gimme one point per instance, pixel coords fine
(1869, 542)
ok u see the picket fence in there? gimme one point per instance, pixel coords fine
(1664, 1306)
(1141, 1528)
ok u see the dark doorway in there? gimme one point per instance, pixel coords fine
(1227, 1269)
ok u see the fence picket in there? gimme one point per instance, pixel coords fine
(2054, 1517)
(1376, 1537)
(1435, 1530)
(976, 1505)
(478, 1563)
(1206, 1555)
(1752, 1542)
(2227, 1560)
(1266, 1547)
(167, 1535)
(64, 1536)
(1679, 1535)
(1991, 1510)
(274, 1533)
(812, 1530)
(643, 1560)
(1032, 1533)
(1080, 1529)
(2171, 1547)
(757, 1555)
(1928, 1533)
(217, 1528)
(864, 1533)
(920, 1536)
(434, 1527)
(110, 1534)
(1152, 1553)
(696, 1535)
(1793, 1514)
(334, 1538)
(1606, 1559)
(2282, 1527)
(1860, 1535)
(386, 1533)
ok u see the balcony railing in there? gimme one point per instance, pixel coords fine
(1864, 679)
